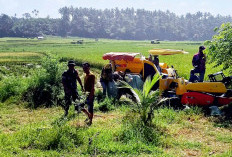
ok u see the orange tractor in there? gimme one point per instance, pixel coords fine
(213, 93)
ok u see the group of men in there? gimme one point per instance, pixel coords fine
(71, 76)
(69, 81)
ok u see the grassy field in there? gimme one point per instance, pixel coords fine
(92, 51)
(45, 132)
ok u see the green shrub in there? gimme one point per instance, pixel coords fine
(45, 85)
(146, 100)
(99, 95)
(57, 138)
(12, 86)
(133, 129)
(137, 124)
(106, 105)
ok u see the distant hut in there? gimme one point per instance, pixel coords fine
(40, 37)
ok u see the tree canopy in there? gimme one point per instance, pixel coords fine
(114, 23)
(220, 47)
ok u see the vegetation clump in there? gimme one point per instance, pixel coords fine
(12, 86)
(137, 124)
(219, 48)
(45, 84)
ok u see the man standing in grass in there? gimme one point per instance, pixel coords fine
(106, 79)
(69, 81)
(198, 63)
(89, 82)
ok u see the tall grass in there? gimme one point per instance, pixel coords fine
(12, 86)
(56, 137)
(137, 124)
(44, 86)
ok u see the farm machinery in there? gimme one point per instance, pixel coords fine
(211, 93)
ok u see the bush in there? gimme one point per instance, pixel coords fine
(137, 124)
(106, 105)
(219, 48)
(146, 100)
(133, 129)
(56, 138)
(12, 86)
(45, 86)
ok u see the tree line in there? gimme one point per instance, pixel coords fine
(114, 23)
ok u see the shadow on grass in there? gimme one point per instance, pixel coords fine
(224, 121)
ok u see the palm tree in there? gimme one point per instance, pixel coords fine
(146, 99)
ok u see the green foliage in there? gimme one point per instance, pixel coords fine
(45, 84)
(137, 124)
(114, 24)
(12, 86)
(219, 48)
(93, 51)
(25, 132)
(133, 129)
(57, 137)
(106, 105)
(6, 23)
(147, 101)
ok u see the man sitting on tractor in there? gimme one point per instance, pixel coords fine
(198, 63)
(156, 62)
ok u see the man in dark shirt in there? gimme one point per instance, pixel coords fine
(198, 63)
(156, 62)
(69, 81)
(89, 82)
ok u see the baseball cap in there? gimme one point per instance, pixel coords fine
(201, 48)
(71, 62)
(85, 64)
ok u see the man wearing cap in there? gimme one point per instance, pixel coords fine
(198, 63)
(69, 81)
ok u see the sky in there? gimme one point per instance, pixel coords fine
(179, 7)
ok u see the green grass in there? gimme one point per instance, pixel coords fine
(45, 132)
(92, 51)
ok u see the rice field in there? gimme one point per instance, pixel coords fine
(31, 50)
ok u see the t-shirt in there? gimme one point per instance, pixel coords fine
(199, 61)
(69, 79)
(89, 82)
